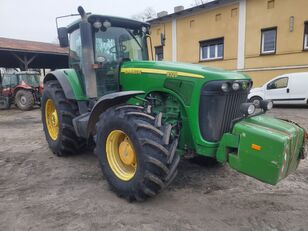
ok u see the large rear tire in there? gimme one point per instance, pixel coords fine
(136, 153)
(57, 116)
(24, 100)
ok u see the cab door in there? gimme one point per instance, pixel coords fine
(106, 59)
(278, 90)
(9, 82)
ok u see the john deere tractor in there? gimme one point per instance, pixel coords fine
(143, 115)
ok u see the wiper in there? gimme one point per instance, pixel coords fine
(135, 39)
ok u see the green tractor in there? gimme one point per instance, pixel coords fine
(143, 115)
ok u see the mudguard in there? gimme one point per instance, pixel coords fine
(69, 82)
(263, 147)
(106, 102)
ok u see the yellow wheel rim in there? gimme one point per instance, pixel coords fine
(121, 155)
(51, 118)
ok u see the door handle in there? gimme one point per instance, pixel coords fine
(288, 90)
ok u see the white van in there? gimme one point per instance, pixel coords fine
(284, 89)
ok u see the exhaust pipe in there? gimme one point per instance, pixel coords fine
(87, 55)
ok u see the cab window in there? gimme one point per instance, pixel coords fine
(75, 47)
(115, 43)
(14, 81)
(104, 48)
(9, 80)
(278, 83)
(6, 81)
(32, 80)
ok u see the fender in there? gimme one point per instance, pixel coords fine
(23, 86)
(69, 82)
(106, 102)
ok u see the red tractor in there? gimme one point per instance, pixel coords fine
(22, 89)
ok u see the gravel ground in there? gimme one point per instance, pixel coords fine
(39, 191)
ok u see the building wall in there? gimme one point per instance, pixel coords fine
(289, 51)
(223, 21)
(211, 24)
(261, 77)
(156, 30)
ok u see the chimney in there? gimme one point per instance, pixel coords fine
(162, 14)
(178, 9)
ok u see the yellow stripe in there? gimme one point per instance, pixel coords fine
(169, 73)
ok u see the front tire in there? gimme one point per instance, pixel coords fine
(57, 117)
(137, 154)
(24, 100)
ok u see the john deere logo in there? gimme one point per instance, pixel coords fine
(172, 74)
(131, 71)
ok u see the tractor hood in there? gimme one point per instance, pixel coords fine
(174, 69)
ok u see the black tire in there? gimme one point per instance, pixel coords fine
(155, 151)
(24, 100)
(5, 103)
(256, 100)
(67, 141)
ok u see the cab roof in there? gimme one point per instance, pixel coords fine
(115, 21)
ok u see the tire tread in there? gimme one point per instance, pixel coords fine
(158, 150)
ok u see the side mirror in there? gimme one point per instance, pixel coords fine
(162, 39)
(63, 36)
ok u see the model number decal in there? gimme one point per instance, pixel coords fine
(172, 74)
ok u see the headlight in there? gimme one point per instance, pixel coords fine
(248, 108)
(235, 86)
(97, 24)
(225, 87)
(144, 29)
(106, 24)
(266, 105)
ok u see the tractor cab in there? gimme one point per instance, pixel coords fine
(31, 79)
(12, 80)
(110, 41)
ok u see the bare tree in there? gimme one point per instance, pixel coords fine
(148, 14)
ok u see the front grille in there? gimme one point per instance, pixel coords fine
(232, 110)
(218, 109)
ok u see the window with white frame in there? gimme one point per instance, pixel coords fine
(212, 49)
(268, 40)
(306, 36)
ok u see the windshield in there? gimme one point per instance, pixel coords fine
(30, 79)
(115, 43)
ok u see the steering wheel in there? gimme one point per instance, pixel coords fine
(114, 50)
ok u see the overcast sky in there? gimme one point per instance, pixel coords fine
(35, 19)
